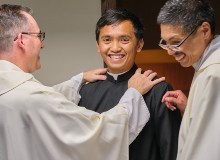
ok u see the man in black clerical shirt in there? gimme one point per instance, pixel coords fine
(119, 36)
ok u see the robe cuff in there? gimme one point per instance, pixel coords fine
(137, 111)
(77, 82)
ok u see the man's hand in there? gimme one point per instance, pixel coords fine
(94, 75)
(143, 82)
(174, 99)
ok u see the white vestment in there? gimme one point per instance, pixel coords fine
(39, 123)
(199, 137)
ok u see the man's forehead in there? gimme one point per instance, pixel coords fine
(171, 31)
(170, 27)
(119, 23)
(124, 26)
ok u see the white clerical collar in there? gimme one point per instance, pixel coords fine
(213, 45)
(115, 75)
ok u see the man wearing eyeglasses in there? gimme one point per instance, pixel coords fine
(44, 123)
(187, 31)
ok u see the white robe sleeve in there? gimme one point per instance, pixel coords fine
(59, 129)
(133, 100)
(70, 89)
(138, 112)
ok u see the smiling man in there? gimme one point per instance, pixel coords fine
(119, 37)
(187, 32)
(38, 122)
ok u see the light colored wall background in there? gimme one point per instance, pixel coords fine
(70, 37)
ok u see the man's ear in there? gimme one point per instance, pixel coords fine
(20, 41)
(140, 45)
(97, 46)
(206, 29)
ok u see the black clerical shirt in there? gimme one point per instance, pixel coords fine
(158, 139)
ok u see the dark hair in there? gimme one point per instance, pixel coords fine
(117, 15)
(188, 14)
(12, 21)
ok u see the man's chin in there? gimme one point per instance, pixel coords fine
(38, 67)
(185, 65)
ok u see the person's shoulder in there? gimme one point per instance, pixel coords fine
(95, 84)
(34, 97)
(162, 85)
(39, 94)
(158, 91)
(211, 72)
(214, 69)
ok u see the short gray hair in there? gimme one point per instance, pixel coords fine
(188, 14)
(12, 21)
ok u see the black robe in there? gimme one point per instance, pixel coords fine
(159, 138)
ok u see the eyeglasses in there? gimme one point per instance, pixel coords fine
(40, 35)
(175, 48)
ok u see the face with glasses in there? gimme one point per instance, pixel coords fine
(32, 42)
(186, 48)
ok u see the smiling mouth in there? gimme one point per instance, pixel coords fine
(116, 57)
(179, 56)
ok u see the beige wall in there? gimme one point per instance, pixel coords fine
(70, 37)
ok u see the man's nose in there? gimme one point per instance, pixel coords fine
(116, 47)
(42, 45)
(171, 52)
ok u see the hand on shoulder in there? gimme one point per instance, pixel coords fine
(94, 75)
(143, 82)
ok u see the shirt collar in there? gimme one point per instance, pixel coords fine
(121, 76)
